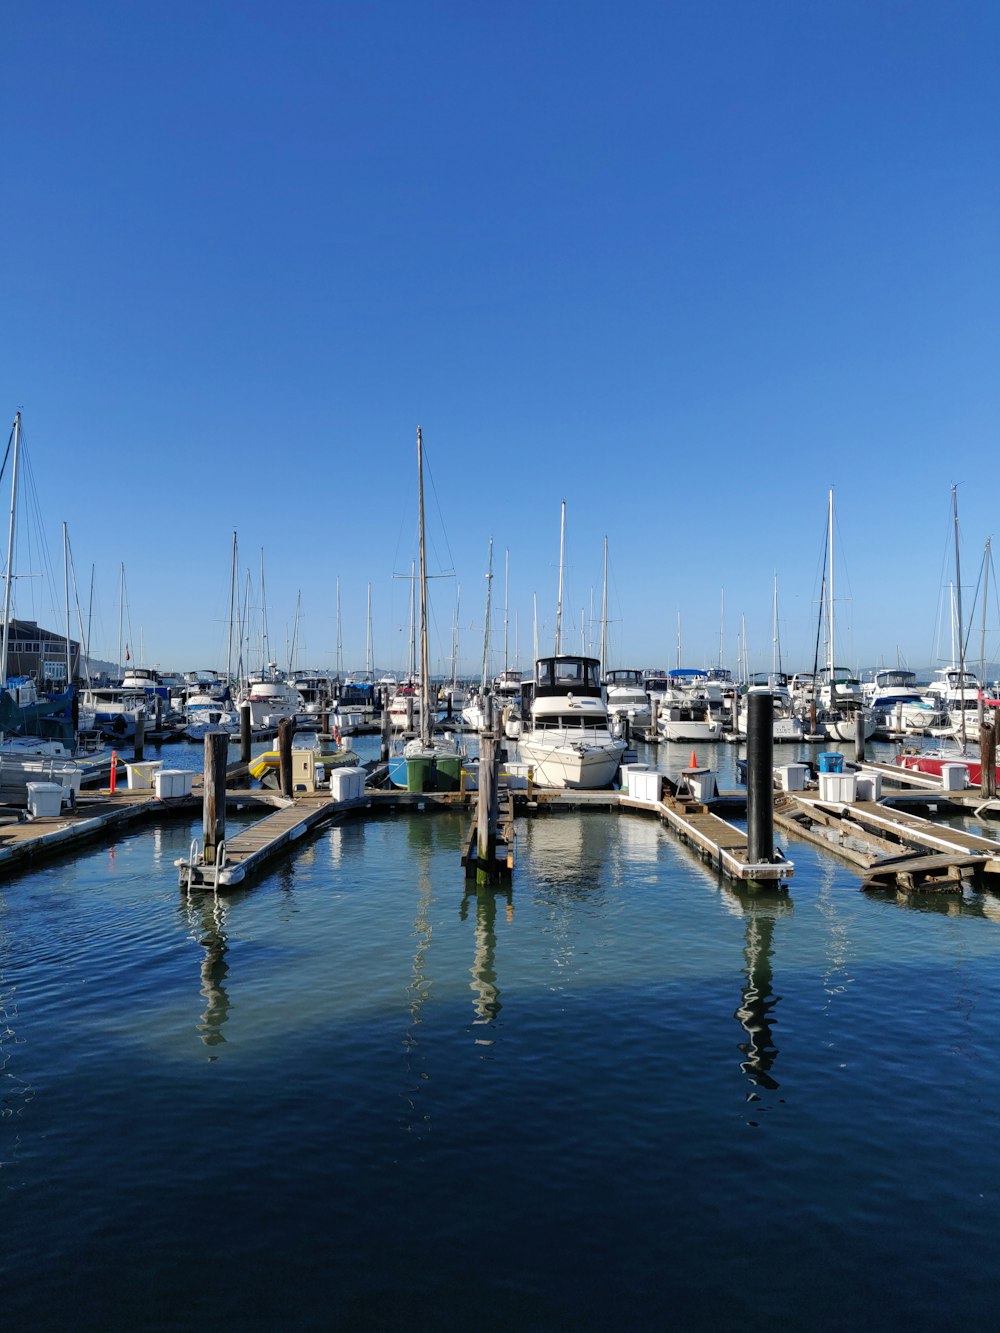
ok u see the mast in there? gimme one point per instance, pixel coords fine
(506, 576)
(232, 604)
(425, 671)
(678, 638)
(534, 603)
(604, 613)
(833, 657)
(69, 650)
(4, 651)
(412, 664)
(486, 632)
(121, 613)
(982, 633)
(265, 645)
(454, 638)
(775, 651)
(340, 641)
(370, 648)
(722, 627)
(958, 604)
(559, 600)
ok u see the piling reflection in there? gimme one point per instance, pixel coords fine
(207, 917)
(486, 993)
(416, 1119)
(761, 909)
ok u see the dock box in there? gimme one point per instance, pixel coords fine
(44, 799)
(173, 782)
(516, 776)
(838, 788)
(627, 770)
(347, 784)
(954, 777)
(869, 786)
(140, 776)
(792, 777)
(645, 785)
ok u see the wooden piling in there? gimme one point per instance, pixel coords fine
(213, 808)
(488, 805)
(386, 726)
(988, 761)
(285, 755)
(140, 734)
(760, 777)
(859, 736)
(246, 731)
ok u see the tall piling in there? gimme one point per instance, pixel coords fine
(386, 725)
(246, 731)
(988, 761)
(140, 734)
(285, 755)
(488, 802)
(859, 736)
(213, 806)
(760, 777)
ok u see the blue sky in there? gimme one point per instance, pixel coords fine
(685, 265)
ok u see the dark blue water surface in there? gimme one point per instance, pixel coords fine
(624, 1095)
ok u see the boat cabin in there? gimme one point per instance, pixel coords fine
(579, 676)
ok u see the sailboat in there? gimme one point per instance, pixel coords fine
(427, 762)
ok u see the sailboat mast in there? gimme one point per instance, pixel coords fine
(340, 641)
(411, 665)
(232, 606)
(982, 634)
(958, 605)
(425, 672)
(604, 613)
(370, 647)
(833, 656)
(121, 615)
(559, 599)
(69, 651)
(4, 651)
(506, 578)
(534, 642)
(486, 631)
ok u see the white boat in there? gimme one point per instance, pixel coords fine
(568, 739)
(690, 709)
(899, 703)
(271, 699)
(787, 725)
(627, 700)
(954, 692)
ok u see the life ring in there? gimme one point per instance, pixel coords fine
(909, 750)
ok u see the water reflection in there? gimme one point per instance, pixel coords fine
(207, 917)
(755, 1015)
(418, 992)
(486, 993)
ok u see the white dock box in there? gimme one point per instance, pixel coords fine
(140, 776)
(44, 799)
(627, 770)
(517, 776)
(792, 777)
(173, 782)
(838, 788)
(645, 785)
(954, 777)
(347, 784)
(869, 786)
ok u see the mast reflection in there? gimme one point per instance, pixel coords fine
(756, 1012)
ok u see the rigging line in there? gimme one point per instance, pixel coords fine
(429, 474)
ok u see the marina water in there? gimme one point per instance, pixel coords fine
(624, 1094)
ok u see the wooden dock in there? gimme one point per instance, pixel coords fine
(892, 847)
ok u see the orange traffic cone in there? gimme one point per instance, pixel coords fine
(693, 761)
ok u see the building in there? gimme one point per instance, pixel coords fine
(41, 654)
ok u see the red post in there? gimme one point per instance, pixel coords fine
(114, 770)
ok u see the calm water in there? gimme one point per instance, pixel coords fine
(624, 1095)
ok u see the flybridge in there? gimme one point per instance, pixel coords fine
(567, 674)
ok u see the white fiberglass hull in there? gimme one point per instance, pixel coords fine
(574, 764)
(690, 730)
